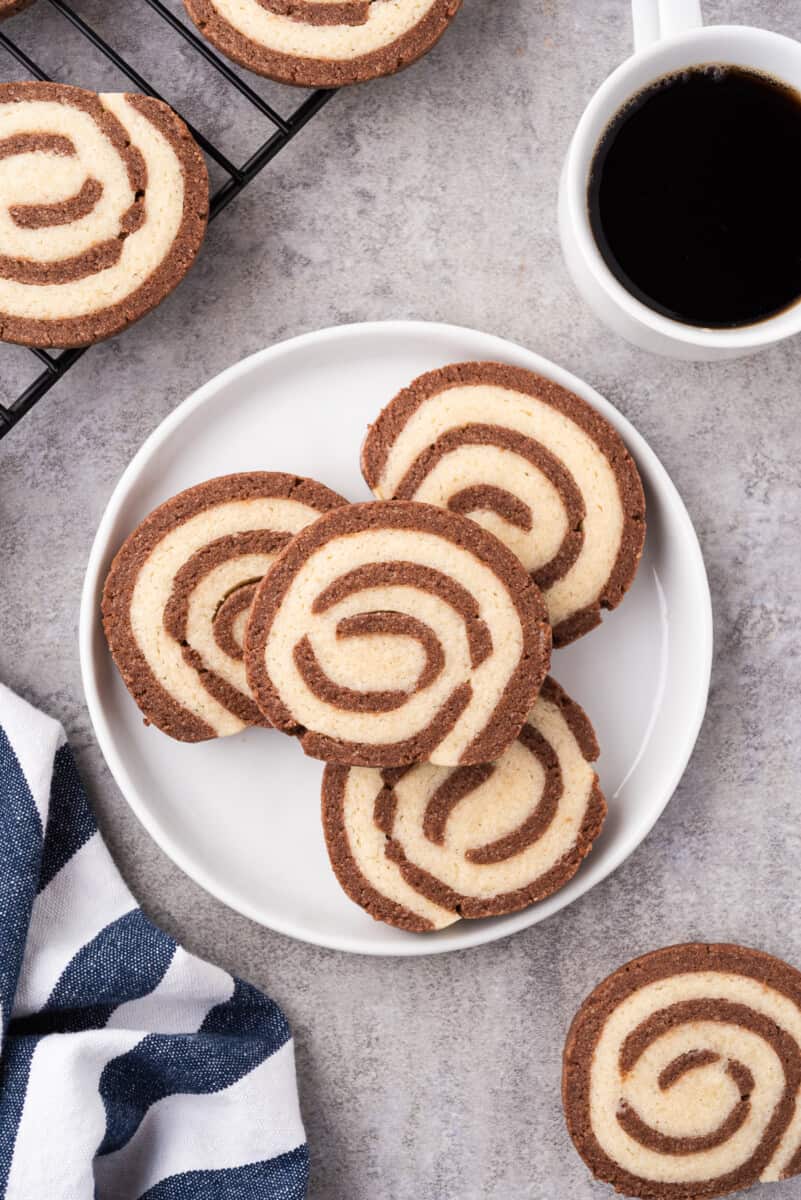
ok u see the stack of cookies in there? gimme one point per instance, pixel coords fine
(406, 642)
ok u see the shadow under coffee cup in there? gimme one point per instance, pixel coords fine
(669, 42)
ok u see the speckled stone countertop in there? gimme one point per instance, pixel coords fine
(433, 195)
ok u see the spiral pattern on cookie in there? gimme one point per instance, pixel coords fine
(104, 200)
(532, 463)
(179, 593)
(421, 846)
(396, 633)
(683, 1071)
(323, 43)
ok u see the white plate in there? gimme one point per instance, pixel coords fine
(241, 815)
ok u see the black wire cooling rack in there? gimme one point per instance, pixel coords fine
(281, 131)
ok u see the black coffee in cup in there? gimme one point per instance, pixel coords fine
(695, 196)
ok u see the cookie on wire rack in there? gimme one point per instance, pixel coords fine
(323, 43)
(394, 633)
(530, 461)
(419, 847)
(682, 1073)
(178, 594)
(104, 203)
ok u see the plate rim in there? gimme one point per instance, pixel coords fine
(472, 934)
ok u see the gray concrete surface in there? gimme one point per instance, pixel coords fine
(433, 195)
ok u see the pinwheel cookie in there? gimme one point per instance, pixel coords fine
(104, 206)
(531, 462)
(177, 597)
(421, 846)
(682, 1073)
(394, 633)
(323, 43)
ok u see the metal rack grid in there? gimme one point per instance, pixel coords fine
(283, 129)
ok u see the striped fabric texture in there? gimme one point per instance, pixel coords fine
(129, 1069)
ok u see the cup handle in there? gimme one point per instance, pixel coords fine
(654, 20)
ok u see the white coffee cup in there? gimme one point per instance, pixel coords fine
(668, 36)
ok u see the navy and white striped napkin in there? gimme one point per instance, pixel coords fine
(128, 1068)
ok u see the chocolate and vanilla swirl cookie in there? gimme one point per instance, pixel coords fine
(682, 1073)
(177, 597)
(421, 846)
(103, 206)
(394, 633)
(323, 43)
(528, 460)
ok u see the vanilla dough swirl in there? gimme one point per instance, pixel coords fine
(394, 633)
(421, 846)
(532, 463)
(682, 1073)
(103, 206)
(178, 595)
